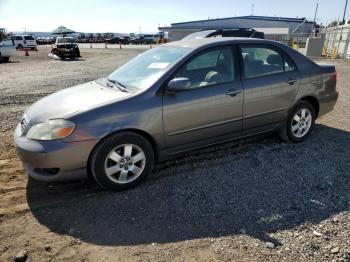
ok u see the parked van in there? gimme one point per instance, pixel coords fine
(24, 41)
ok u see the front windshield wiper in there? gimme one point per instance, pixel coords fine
(118, 84)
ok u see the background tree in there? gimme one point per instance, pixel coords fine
(333, 23)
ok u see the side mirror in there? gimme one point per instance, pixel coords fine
(178, 84)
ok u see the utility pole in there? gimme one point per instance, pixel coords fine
(313, 24)
(346, 5)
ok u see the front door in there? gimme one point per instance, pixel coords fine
(211, 110)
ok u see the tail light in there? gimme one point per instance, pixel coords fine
(335, 76)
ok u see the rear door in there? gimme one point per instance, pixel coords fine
(211, 110)
(270, 83)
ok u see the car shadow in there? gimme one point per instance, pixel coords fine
(68, 60)
(9, 62)
(254, 186)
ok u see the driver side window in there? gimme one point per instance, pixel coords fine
(211, 67)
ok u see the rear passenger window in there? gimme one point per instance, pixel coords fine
(259, 61)
(28, 38)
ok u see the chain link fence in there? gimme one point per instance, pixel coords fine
(298, 39)
(337, 41)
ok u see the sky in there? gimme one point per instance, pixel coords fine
(146, 16)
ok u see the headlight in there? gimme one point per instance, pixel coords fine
(51, 130)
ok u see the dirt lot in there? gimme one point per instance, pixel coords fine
(253, 200)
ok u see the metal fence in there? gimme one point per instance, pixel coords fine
(337, 41)
(290, 39)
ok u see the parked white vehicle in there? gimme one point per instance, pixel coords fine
(7, 49)
(24, 41)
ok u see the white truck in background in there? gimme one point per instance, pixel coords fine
(7, 49)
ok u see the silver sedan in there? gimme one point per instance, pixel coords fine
(171, 99)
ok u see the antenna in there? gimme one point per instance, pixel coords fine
(253, 9)
(313, 24)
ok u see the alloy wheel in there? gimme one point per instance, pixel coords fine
(301, 122)
(125, 163)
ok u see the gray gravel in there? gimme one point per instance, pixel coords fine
(256, 199)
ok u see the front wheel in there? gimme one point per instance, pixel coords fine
(300, 123)
(121, 161)
(4, 59)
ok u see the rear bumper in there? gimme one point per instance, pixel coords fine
(53, 160)
(327, 103)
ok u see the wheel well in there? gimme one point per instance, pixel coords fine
(144, 134)
(314, 102)
(147, 136)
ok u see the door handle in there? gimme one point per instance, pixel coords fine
(233, 92)
(291, 81)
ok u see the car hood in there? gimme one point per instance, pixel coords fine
(72, 100)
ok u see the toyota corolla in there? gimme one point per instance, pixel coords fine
(171, 99)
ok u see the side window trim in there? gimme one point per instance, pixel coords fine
(268, 46)
(285, 55)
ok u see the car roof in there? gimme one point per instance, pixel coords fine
(200, 42)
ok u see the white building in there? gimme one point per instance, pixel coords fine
(271, 26)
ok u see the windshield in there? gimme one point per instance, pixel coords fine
(65, 40)
(145, 69)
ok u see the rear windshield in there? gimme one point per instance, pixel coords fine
(28, 37)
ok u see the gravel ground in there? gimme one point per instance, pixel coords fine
(255, 199)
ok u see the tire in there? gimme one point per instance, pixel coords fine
(19, 46)
(5, 59)
(77, 53)
(297, 132)
(114, 153)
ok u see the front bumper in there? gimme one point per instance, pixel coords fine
(53, 160)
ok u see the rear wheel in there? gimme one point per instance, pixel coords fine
(300, 123)
(20, 46)
(72, 55)
(121, 161)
